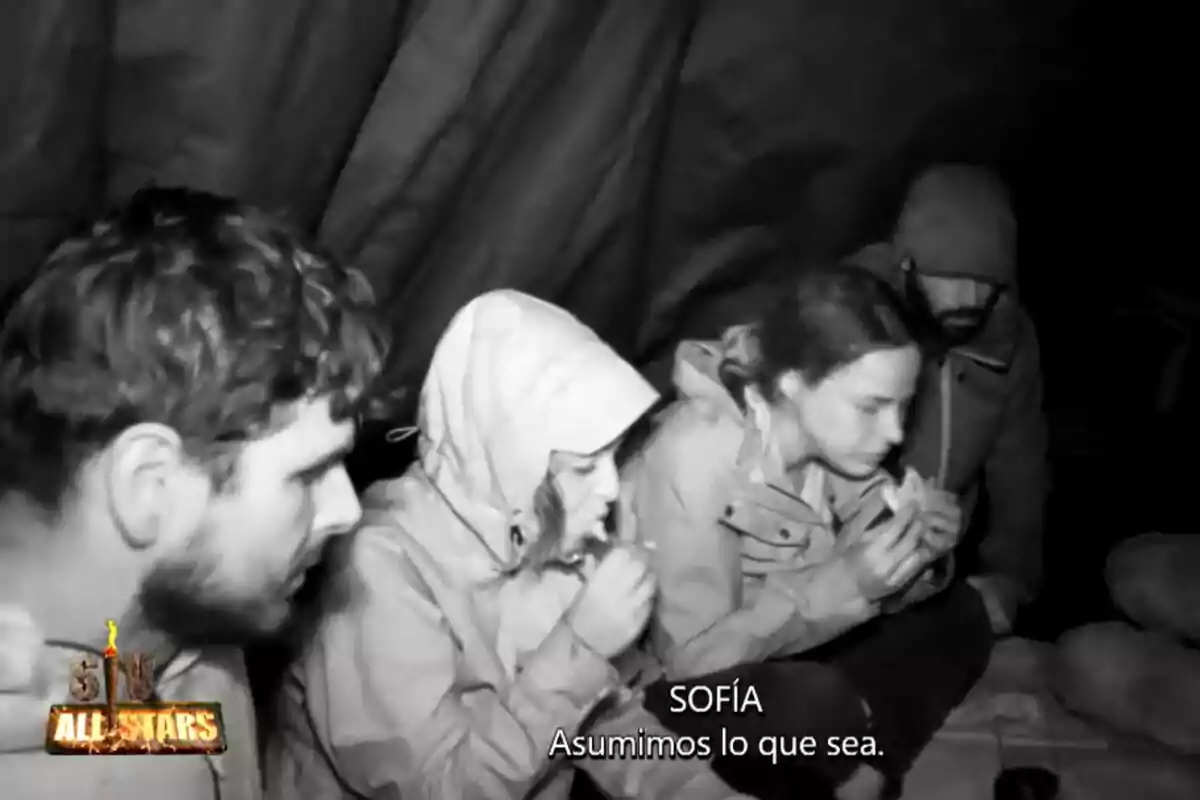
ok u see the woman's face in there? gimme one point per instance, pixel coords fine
(588, 485)
(852, 418)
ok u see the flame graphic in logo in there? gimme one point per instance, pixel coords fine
(111, 650)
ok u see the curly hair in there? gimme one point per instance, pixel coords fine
(183, 308)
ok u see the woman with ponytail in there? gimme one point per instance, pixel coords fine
(789, 560)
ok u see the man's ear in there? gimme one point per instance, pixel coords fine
(145, 464)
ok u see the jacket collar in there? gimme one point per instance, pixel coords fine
(807, 485)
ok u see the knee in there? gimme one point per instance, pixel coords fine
(1093, 664)
(1136, 680)
(1094, 659)
(1133, 572)
(1153, 579)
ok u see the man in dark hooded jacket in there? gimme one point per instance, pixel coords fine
(978, 422)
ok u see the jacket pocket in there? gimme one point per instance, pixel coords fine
(777, 530)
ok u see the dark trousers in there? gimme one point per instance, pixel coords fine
(911, 668)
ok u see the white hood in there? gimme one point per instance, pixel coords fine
(512, 379)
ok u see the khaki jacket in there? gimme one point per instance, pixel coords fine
(444, 674)
(746, 555)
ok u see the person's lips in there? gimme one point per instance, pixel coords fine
(304, 566)
(308, 562)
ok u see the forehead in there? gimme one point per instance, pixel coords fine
(304, 432)
(887, 373)
(956, 291)
(571, 458)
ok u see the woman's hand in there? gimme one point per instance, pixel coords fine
(615, 603)
(941, 519)
(939, 515)
(883, 560)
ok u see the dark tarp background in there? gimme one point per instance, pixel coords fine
(630, 160)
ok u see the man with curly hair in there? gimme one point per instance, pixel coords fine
(179, 387)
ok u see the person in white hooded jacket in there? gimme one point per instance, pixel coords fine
(487, 609)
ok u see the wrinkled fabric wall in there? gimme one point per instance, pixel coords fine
(446, 148)
(510, 144)
(53, 56)
(632, 161)
(261, 99)
(798, 125)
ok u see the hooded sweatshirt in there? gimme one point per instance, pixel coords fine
(445, 676)
(745, 549)
(35, 673)
(978, 420)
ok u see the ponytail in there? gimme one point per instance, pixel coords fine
(741, 361)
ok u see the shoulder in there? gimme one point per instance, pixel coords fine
(689, 461)
(381, 561)
(692, 433)
(1027, 333)
(383, 551)
(383, 531)
(1027, 353)
(377, 582)
(880, 258)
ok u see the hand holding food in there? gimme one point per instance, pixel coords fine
(938, 512)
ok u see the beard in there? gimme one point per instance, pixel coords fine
(959, 326)
(943, 331)
(183, 599)
(179, 599)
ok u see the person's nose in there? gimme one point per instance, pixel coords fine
(337, 510)
(607, 480)
(891, 425)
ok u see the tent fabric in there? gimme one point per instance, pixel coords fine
(798, 125)
(634, 162)
(242, 97)
(527, 166)
(52, 57)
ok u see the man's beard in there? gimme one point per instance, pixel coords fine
(959, 326)
(944, 331)
(177, 600)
